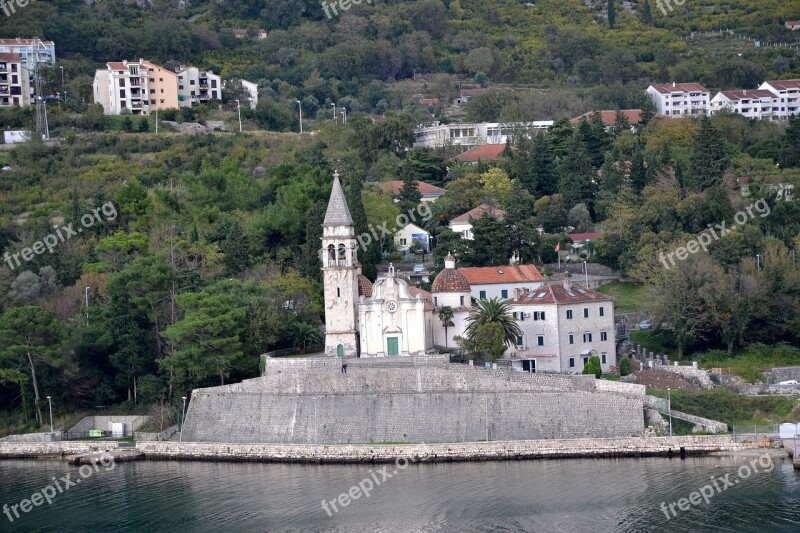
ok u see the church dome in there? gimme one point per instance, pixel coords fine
(450, 279)
(364, 286)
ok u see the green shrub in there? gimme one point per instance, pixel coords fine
(624, 366)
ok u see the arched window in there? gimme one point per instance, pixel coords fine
(338, 292)
(342, 253)
(331, 253)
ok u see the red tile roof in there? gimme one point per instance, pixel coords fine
(744, 94)
(666, 88)
(429, 101)
(394, 187)
(364, 286)
(117, 65)
(22, 42)
(428, 297)
(584, 236)
(450, 280)
(556, 293)
(478, 212)
(783, 85)
(501, 274)
(609, 118)
(472, 92)
(487, 152)
(13, 58)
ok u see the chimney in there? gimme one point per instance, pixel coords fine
(673, 84)
(745, 92)
(567, 284)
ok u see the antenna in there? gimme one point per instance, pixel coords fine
(41, 111)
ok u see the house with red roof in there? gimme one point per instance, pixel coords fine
(609, 117)
(759, 103)
(463, 223)
(486, 152)
(788, 91)
(430, 193)
(680, 99)
(501, 281)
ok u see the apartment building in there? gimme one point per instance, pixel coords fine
(14, 81)
(464, 134)
(562, 327)
(680, 99)
(788, 91)
(197, 86)
(29, 52)
(760, 104)
(138, 86)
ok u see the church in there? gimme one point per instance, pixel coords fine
(388, 317)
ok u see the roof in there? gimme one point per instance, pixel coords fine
(428, 297)
(337, 214)
(117, 65)
(666, 88)
(22, 42)
(429, 101)
(472, 92)
(487, 152)
(501, 274)
(450, 280)
(14, 58)
(394, 186)
(478, 212)
(783, 85)
(556, 293)
(584, 236)
(609, 117)
(744, 94)
(364, 286)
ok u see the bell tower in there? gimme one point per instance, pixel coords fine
(340, 271)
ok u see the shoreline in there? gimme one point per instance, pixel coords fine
(683, 446)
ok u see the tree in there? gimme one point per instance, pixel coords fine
(612, 14)
(709, 158)
(790, 145)
(409, 196)
(494, 311)
(551, 213)
(645, 13)
(29, 336)
(593, 367)
(236, 257)
(369, 256)
(624, 366)
(488, 340)
(30, 288)
(576, 175)
(446, 318)
(491, 243)
(543, 165)
(580, 218)
(305, 335)
(310, 264)
(144, 125)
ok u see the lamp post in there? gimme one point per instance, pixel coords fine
(334, 111)
(64, 92)
(156, 120)
(300, 107)
(239, 109)
(50, 403)
(183, 417)
(669, 409)
(344, 115)
(758, 262)
(86, 294)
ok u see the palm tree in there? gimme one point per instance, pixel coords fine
(494, 311)
(446, 316)
(305, 334)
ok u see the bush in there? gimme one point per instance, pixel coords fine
(593, 367)
(624, 366)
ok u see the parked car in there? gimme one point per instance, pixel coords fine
(646, 324)
(789, 382)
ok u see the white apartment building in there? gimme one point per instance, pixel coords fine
(139, 86)
(502, 281)
(252, 88)
(760, 104)
(465, 134)
(14, 81)
(680, 99)
(562, 326)
(788, 91)
(197, 86)
(463, 223)
(45, 52)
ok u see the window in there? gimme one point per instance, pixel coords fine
(587, 337)
(572, 362)
(569, 314)
(572, 338)
(213, 84)
(538, 315)
(540, 340)
(122, 83)
(603, 336)
(462, 300)
(191, 82)
(482, 295)
(519, 340)
(180, 87)
(435, 301)
(603, 357)
(342, 253)
(602, 311)
(122, 93)
(338, 292)
(504, 293)
(403, 242)
(585, 312)
(585, 361)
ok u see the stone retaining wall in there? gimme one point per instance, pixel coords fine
(132, 423)
(147, 436)
(37, 449)
(33, 437)
(692, 373)
(621, 387)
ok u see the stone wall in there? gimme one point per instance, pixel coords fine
(38, 449)
(33, 437)
(155, 436)
(132, 423)
(469, 451)
(692, 373)
(783, 373)
(313, 402)
(620, 387)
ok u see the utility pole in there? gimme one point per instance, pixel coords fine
(300, 107)
(239, 109)
(87, 303)
(41, 110)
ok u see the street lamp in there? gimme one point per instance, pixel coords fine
(300, 107)
(183, 417)
(334, 111)
(669, 409)
(344, 115)
(86, 293)
(64, 92)
(239, 109)
(50, 403)
(758, 261)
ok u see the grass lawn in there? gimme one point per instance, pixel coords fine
(631, 297)
(655, 342)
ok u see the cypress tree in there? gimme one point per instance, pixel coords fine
(709, 158)
(645, 13)
(612, 14)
